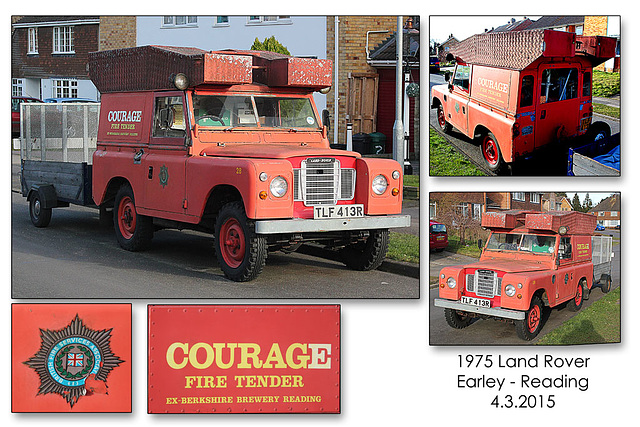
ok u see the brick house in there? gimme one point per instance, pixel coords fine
(475, 203)
(443, 49)
(49, 56)
(366, 75)
(608, 211)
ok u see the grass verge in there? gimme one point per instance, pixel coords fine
(600, 323)
(445, 160)
(606, 110)
(404, 247)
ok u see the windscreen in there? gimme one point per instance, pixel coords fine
(229, 111)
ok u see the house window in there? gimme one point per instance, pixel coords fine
(601, 213)
(613, 213)
(268, 20)
(65, 88)
(32, 35)
(222, 21)
(63, 40)
(17, 87)
(518, 196)
(179, 21)
(534, 197)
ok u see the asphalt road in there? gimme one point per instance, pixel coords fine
(550, 161)
(76, 258)
(492, 332)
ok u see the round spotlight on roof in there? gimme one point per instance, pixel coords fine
(181, 81)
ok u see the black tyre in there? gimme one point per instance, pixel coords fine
(367, 255)
(531, 326)
(605, 283)
(576, 303)
(240, 251)
(456, 319)
(598, 131)
(40, 216)
(133, 231)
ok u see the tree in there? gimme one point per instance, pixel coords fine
(575, 203)
(270, 44)
(588, 204)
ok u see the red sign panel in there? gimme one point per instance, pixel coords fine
(244, 359)
(71, 358)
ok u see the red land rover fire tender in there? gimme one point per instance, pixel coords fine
(223, 142)
(531, 260)
(517, 91)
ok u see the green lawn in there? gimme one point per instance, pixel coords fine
(404, 247)
(605, 84)
(600, 323)
(445, 160)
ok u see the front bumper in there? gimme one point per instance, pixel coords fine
(495, 312)
(282, 226)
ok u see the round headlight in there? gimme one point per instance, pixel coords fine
(379, 184)
(451, 282)
(395, 175)
(278, 186)
(510, 290)
(263, 176)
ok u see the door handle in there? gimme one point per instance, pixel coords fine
(150, 176)
(138, 156)
(543, 114)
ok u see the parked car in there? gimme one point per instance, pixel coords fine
(438, 237)
(434, 64)
(15, 112)
(67, 100)
(599, 227)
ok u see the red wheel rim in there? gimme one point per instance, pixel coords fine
(127, 217)
(533, 318)
(232, 243)
(490, 150)
(441, 120)
(578, 298)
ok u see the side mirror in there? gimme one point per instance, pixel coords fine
(447, 76)
(325, 118)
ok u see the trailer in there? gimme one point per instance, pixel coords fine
(597, 158)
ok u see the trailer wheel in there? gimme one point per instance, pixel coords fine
(605, 283)
(40, 216)
(576, 303)
(528, 328)
(491, 153)
(455, 319)
(598, 131)
(240, 251)
(133, 231)
(367, 255)
(442, 120)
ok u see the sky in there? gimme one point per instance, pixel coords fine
(440, 27)
(595, 197)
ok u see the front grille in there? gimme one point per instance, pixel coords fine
(485, 283)
(321, 181)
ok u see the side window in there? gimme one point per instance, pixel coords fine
(558, 84)
(564, 250)
(526, 91)
(168, 117)
(461, 78)
(586, 84)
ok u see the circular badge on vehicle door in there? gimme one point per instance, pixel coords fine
(74, 361)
